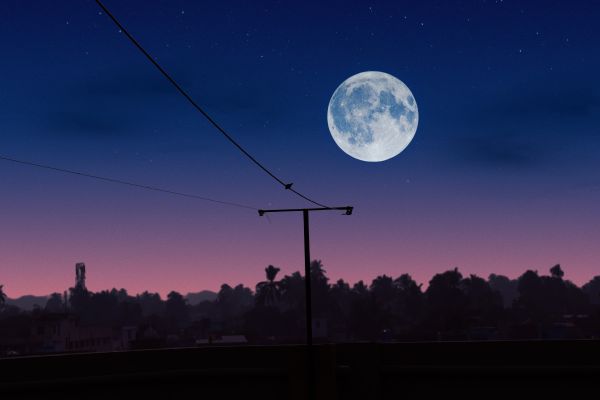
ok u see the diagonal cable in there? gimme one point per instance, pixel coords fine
(127, 183)
(287, 186)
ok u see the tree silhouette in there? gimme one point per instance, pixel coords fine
(102, 308)
(452, 307)
(292, 292)
(319, 288)
(577, 301)
(362, 320)
(120, 295)
(339, 308)
(231, 305)
(55, 303)
(383, 291)
(79, 298)
(557, 272)
(267, 292)
(592, 290)
(151, 303)
(2, 297)
(446, 303)
(177, 311)
(483, 303)
(411, 302)
(545, 300)
(530, 299)
(265, 319)
(506, 287)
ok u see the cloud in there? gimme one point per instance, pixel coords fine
(126, 84)
(86, 122)
(111, 104)
(552, 102)
(498, 152)
(542, 102)
(105, 106)
(527, 125)
(218, 94)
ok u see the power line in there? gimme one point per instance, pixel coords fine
(287, 186)
(127, 183)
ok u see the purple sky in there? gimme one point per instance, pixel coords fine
(503, 174)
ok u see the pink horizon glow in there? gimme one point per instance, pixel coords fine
(194, 261)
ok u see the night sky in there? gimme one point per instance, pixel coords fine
(503, 174)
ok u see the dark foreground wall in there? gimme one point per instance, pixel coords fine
(540, 370)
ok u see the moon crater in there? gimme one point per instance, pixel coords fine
(372, 116)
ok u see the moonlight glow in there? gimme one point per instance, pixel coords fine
(372, 116)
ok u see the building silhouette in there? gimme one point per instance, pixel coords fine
(80, 276)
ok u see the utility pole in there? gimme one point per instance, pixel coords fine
(307, 285)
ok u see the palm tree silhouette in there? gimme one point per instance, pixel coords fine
(268, 291)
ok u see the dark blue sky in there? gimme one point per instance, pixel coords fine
(503, 171)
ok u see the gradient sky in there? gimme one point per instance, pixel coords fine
(503, 173)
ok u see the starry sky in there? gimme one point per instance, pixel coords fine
(503, 173)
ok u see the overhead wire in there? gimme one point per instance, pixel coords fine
(287, 186)
(127, 183)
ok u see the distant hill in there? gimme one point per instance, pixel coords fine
(28, 302)
(195, 298)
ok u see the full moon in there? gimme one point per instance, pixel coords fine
(372, 116)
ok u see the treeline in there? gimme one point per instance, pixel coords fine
(452, 306)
